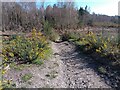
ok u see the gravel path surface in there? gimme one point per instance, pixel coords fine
(66, 69)
(78, 70)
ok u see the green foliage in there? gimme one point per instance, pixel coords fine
(7, 84)
(90, 22)
(47, 28)
(13, 36)
(26, 49)
(70, 36)
(37, 62)
(83, 17)
(17, 67)
(54, 36)
(49, 32)
(81, 24)
(26, 77)
(74, 36)
(92, 43)
(22, 49)
(102, 70)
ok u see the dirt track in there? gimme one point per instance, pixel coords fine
(66, 69)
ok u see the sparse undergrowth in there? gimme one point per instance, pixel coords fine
(21, 49)
(49, 32)
(70, 36)
(99, 45)
(19, 67)
(104, 46)
(26, 77)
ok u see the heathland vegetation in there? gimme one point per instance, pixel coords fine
(28, 31)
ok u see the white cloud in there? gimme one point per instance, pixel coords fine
(110, 8)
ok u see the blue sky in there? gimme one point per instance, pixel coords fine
(107, 7)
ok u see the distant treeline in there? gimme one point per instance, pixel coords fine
(26, 15)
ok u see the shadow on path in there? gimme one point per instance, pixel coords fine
(85, 65)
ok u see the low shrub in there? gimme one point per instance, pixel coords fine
(26, 77)
(70, 36)
(26, 49)
(92, 43)
(49, 32)
(22, 49)
(5, 83)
